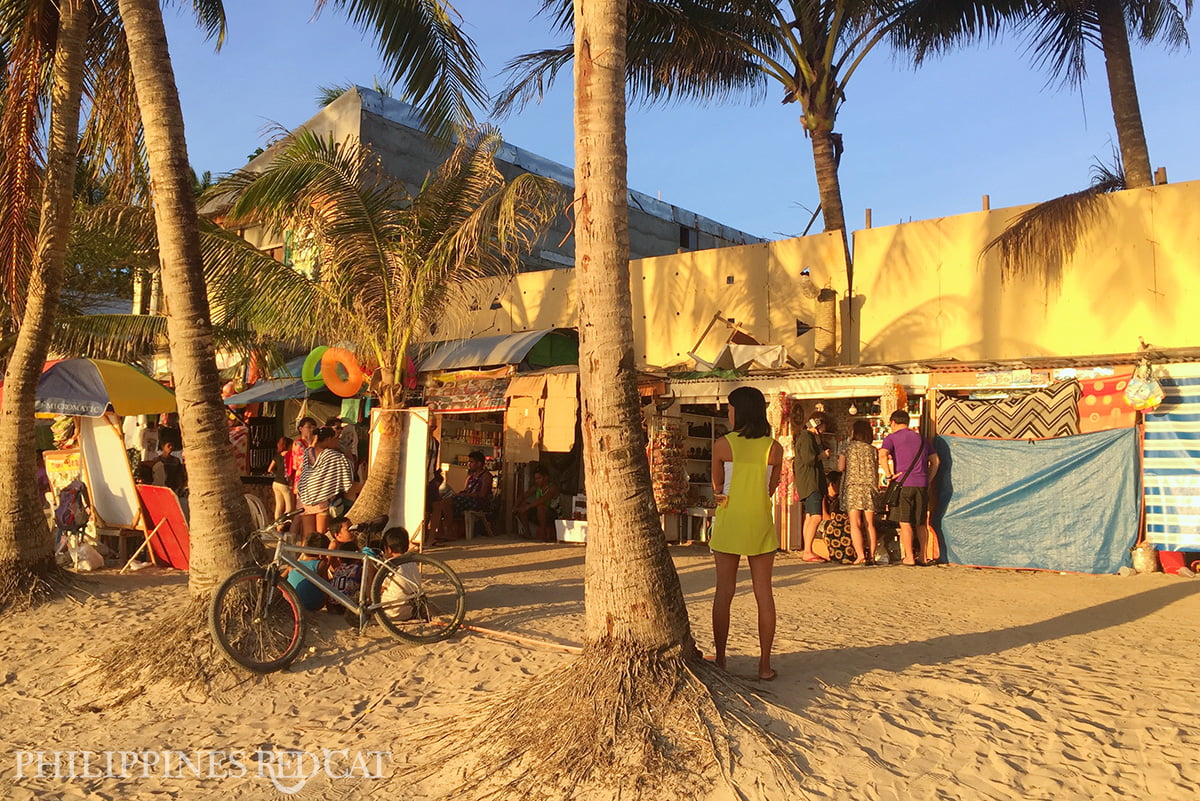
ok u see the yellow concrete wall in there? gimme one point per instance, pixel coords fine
(675, 297)
(925, 294)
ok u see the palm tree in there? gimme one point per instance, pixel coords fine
(1060, 33)
(219, 516)
(707, 49)
(391, 264)
(26, 556)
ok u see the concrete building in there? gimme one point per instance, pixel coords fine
(391, 129)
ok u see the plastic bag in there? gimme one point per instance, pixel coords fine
(1143, 392)
(85, 557)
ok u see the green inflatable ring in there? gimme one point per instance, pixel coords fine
(310, 373)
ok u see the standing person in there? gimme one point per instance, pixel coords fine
(859, 465)
(745, 473)
(169, 432)
(281, 484)
(168, 471)
(325, 475)
(904, 454)
(810, 480)
(306, 429)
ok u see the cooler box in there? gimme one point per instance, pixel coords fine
(571, 530)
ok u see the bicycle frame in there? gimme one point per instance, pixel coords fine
(286, 553)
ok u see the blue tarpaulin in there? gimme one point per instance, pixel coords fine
(1069, 503)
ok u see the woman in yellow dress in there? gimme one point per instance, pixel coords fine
(745, 473)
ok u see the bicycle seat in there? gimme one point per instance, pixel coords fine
(372, 526)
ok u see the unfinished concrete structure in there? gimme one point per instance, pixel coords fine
(391, 129)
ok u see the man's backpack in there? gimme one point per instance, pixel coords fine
(71, 512)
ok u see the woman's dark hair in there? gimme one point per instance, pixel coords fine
(325, 432)
(304, 421)
(283, 445)
(749, 413)
(861, 431)
(477, 456)
(540, 470)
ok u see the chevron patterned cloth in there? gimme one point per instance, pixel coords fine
(1039, 414)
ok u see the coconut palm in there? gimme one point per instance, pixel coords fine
(1060, 33)
(392, 263)
(708, 49)
(25, 550)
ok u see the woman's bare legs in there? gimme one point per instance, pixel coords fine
(856, 537)
(760, 574)
(727, 567)
(869, 514)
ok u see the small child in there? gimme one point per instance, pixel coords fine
(396, 593)
(395, 541)
(345, 574)
(310, 594)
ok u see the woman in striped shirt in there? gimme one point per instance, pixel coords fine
(325, 474)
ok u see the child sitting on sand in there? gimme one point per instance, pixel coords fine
(396, 593)
(345, 574)
(310, 594)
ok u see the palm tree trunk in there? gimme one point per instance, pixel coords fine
(1122, 89)
(26, 547)
(220, 519)
(633, 598)
(375, 498)
(829, 188)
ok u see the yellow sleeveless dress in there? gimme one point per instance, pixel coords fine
(744, 525)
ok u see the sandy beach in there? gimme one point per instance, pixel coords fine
(905, 683)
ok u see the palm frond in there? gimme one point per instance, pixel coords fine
(427, 54)
(389, 262)
(1160, 20)
(210, 16)
(1042, 240)
(27, 32)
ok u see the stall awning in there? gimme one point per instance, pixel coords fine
(503, 349)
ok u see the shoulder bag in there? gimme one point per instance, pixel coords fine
(891, 495)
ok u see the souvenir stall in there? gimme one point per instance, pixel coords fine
(1027, 447)
(518, 414)
(844, 395)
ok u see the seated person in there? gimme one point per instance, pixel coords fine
(540, 505)
(339, 532)
(835, 522)
(345, 574)
(394, 594)
(475, 497)
(311, 596)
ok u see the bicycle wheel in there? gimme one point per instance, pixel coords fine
(419, 598)
(258, 624)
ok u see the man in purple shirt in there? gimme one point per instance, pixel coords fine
(900, 449)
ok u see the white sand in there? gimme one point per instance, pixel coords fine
(907, 683)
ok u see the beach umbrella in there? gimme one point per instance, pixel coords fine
(85, 388)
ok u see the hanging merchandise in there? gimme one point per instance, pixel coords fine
(310, 373)
(1143, 392)
(667, 468)
(331, 360)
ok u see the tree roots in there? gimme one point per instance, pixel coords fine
(23, 586)
(174, 651)
(613, 722)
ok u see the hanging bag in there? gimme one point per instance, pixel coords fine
(891, 495)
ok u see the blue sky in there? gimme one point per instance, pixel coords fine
(919, 143)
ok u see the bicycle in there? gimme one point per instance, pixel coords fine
(258, 622)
